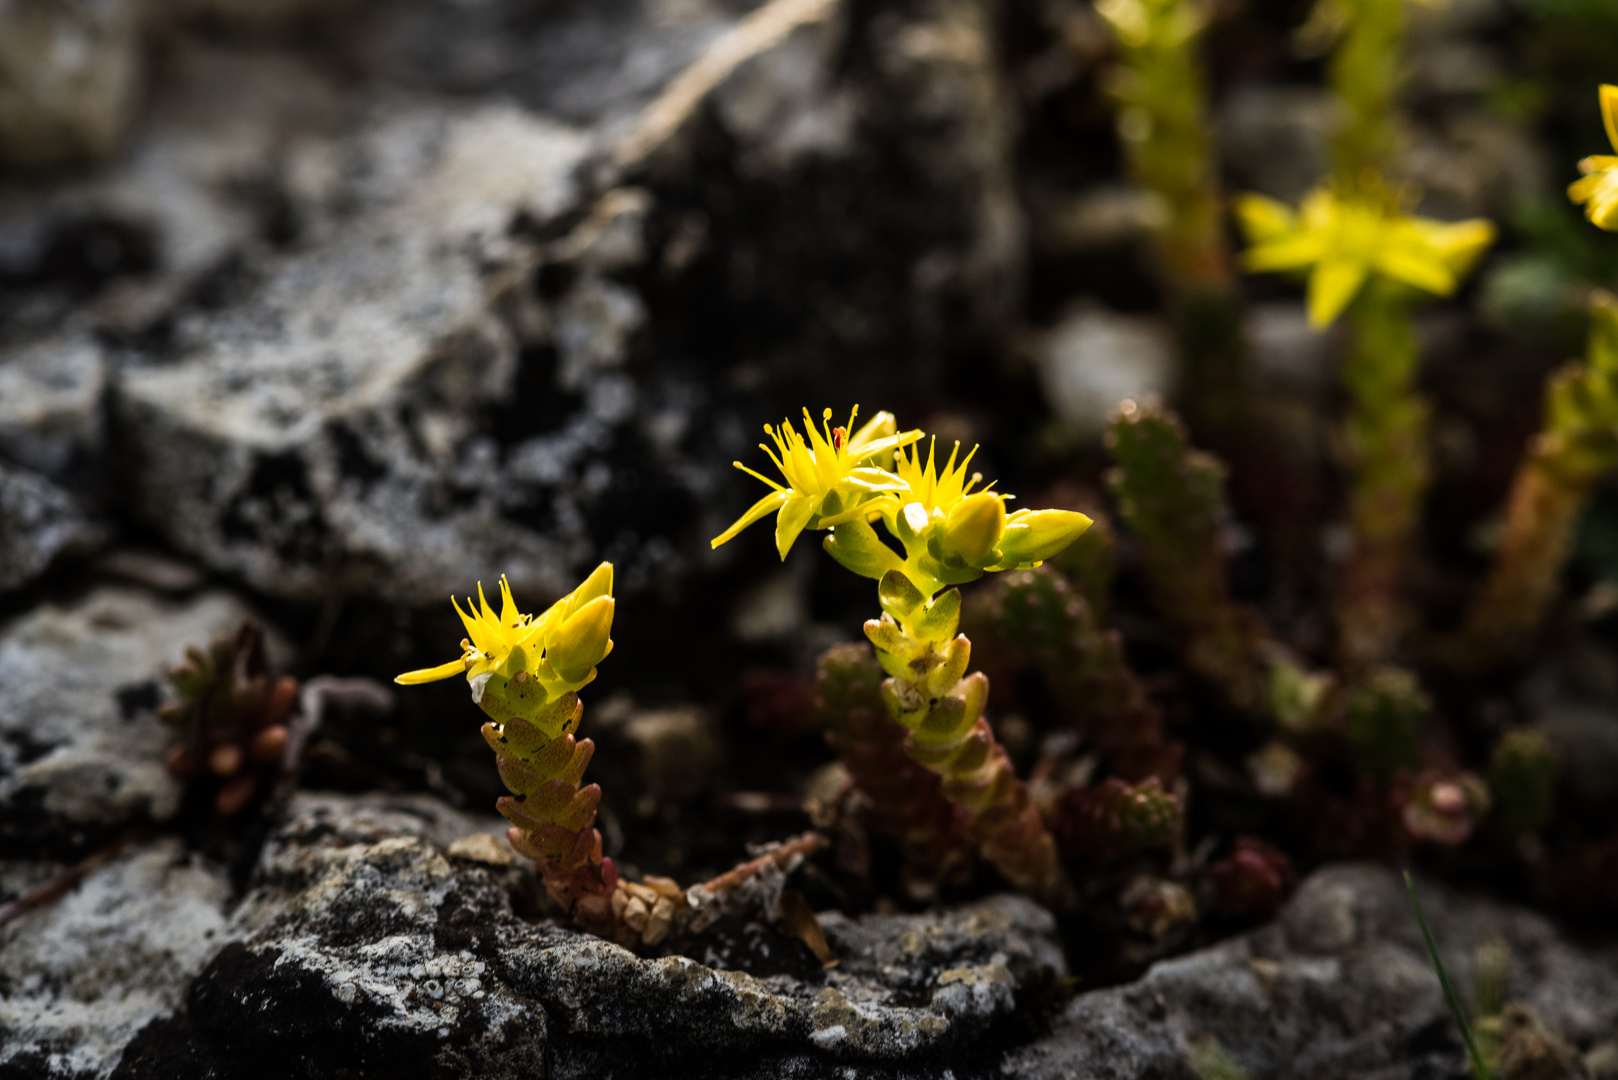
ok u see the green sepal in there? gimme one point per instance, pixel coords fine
(856, 547)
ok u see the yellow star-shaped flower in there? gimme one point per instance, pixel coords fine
(560, 647)
(1598, 190)
(830, 475)
(1343, 240)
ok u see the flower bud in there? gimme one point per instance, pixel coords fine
(1033, 536)
(598, 584)
(583, 640)
(974, 527)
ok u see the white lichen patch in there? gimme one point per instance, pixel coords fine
(89, 971)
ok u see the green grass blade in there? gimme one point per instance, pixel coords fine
(1479, 1069)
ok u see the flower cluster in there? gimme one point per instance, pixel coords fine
(950, 533)
(1343, 240)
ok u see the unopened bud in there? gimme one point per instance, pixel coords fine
(974, 527)
(1522, 775)
(598, 584)
(1033, 536)
(583, 640)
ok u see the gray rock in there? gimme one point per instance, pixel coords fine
(51, 402)
(39, 522)
(364, 945)
(1339, 986)
(1093, 359)
(69, 79)
(451, 367)
(1275, 139)
(80, 977)
(81, 751)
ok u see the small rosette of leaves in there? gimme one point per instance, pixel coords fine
(1253, 881)
(1116, 820)
(233, 715)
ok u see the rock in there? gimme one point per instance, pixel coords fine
(1339, 986)
(396, 369)
(51, 405)
(39, 523)
(1093, 359)
(361, 946)
(679, 750)
(81, 751)
(319, 436)
(1275, 139)
(80, 977)
(70, 74)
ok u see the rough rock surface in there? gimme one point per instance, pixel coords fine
(81, 751)
(1339, 986)
(438, 302)
(80, 978)
(39, 522)
(365, 946)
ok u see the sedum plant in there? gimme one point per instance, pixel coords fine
(1364, 255)
(526, 672)
(1161, 95)
(1162, 120)
(944, 535)
(234, 717)
(906, 799)
(1577, 446)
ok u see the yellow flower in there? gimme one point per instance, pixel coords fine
(560, 647)
(829, 475)
(927, 494)
(1598, 191)
(1342, 241)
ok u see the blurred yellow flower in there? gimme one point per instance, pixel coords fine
(1598, 190)
(830, 475)
(1343, 240)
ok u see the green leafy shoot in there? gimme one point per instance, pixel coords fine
(1480, 1069)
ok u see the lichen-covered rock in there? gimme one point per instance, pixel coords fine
(365, 945)
(39, 522)
(1339, 987)
(426, 318)
(80, 977)
(81, 751)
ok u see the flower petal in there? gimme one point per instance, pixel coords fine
(1417, 265)
(791, 521)
(1291, 252)
(1331, 286)
(1263, 219)
(768, 503)
(434, 674)
(1609, 112)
